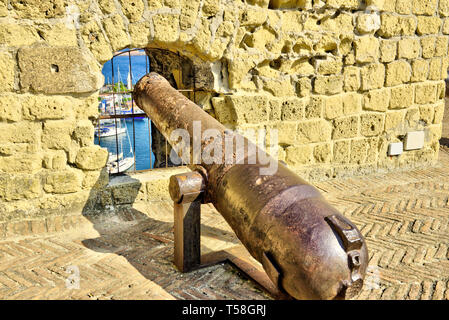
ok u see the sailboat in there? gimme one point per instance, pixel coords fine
(120, 163)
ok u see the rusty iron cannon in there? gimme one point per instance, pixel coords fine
(306, 247)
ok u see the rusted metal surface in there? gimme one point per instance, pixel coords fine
(307, 248)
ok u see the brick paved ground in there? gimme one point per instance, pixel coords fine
(404, 217)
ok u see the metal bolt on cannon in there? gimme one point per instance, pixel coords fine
(306, 247)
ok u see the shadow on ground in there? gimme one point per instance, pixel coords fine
(147, 244)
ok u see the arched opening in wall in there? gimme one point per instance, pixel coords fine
(132, 140)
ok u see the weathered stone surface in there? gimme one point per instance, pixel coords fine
(328, 84)
(371, 124)
(10, 107)
(166, 28)
(67, 181)
(367, 49)
(15, 35)
(248, 109)
(52, 70)
(29, 9)
(95, 40)
(373, 76)
(402, 97)
(57, 134)
(314, 131)
(377, 100)
(59, 35)
(345, 127)
(133, 9)
(39, 107)
(425, 93)
(91, 158)
(27, 163)
(115, 30)
(21, 186)
(299, 155)
(398, 72)
(7, 66)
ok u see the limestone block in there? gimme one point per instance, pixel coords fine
(315, 107)
(292, 21)
(394, 121)
(390, 26)
(67, 181)
(28, 163)
(329, 66)
(56, 159)
(445, 29)
(3, 8)
(166, 28)
(425, 93)
(287, 132)
(22, 186)
(91, 158)
(94, 39)
(59, 35)
(299, 155)
(341, 151)
(39, 107)
(443, 8)
(279, 88)
(428, 25)
(115, 30)
(372, 124)
(366, 49)
(139, 33)
(368, 22)
(21, 132)
(248, 109)
(377, 100)
(333, 107)
(7, 66)
(293, 109)
(373, 76)
(359, 149)
(424, 7)
(57, 134)
(51, 70)
(398, 72)
(322, 153)
(314, 131)
(426, 113)
(402, 97)
(203, 36)
(438, 113)
(441, 46)
(328, 84)
(15, 35)
(428, 46)
(304, 87)
(252, 16)
(107, 6)
(84, 133)
(408, 25)
(352, 80)
(404, 6)
(224, 112)
(409, 48)
(260, 39)
(435, 68)
(352, 103)
(10, 107)
(420, 70)
(347, 4)
(132, 9)
(189, 13)
(345, 127)
(412, 117)
(388, 50)
(38, 9)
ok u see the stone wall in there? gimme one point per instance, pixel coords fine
(339, 79)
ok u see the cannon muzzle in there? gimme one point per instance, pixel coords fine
(307, 248)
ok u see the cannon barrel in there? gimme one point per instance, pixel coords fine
(307, 248)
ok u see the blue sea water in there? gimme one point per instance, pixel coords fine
(139, 67)
(143, 154)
